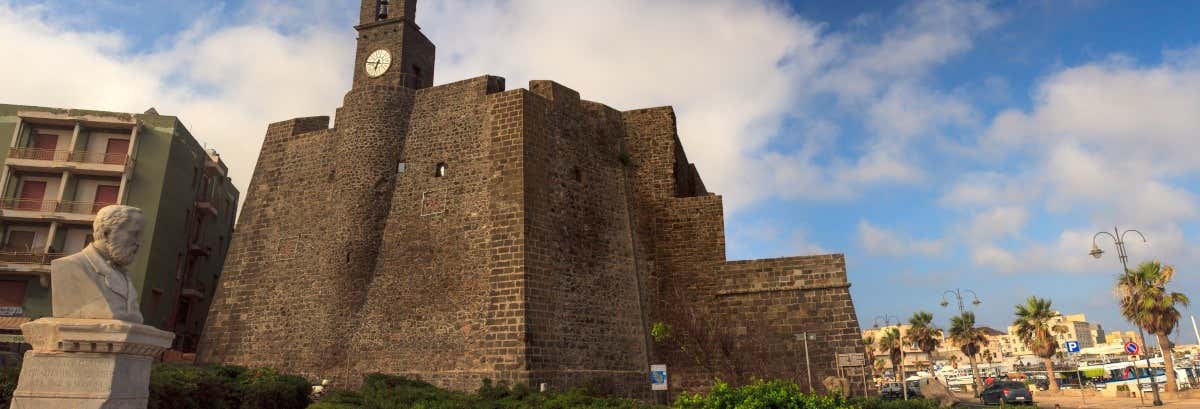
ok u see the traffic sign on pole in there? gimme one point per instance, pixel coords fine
(1131, 348)
(1072, 346)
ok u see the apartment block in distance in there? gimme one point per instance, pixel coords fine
(61, 166)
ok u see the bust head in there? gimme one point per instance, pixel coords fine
(117, 232)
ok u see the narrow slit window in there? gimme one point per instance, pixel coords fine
(439, 170)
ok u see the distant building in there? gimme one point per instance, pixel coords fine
(62, 165)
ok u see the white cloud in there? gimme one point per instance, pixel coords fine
(881, 242)
(225, 84)
(734, 70)
(998, 222)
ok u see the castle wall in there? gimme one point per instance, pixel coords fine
(751, 308)
(436, 307)
(560, 231)
(269, 295)
(585, 314)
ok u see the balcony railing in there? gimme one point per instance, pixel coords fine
(81, 207)
(27, 257)
(105, 158)
(39, 205)
(32, 205)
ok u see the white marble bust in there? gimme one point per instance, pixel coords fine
(92, 283)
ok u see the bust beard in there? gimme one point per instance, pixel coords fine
(120, 256)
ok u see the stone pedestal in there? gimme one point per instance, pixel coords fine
(88, 364)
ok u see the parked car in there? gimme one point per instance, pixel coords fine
(892, 390)
(1041, 384)
(1010, 392)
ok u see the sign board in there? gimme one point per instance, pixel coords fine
(11, 311)
(1131, 348)
(852, 359)
(658, 377)
(1072, 346)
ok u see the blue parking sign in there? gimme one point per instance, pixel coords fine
(1072, 346)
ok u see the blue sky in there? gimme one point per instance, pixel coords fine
(937, 144)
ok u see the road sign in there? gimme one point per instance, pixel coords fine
(658, 377)
(852, 359)
(1072, 346)
(1131, 348)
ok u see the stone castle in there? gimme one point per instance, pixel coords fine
(464, 231)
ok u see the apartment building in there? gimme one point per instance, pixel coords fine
(62, 165)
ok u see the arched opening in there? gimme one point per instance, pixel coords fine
(381, 10)
(439, 170)
(416, 71)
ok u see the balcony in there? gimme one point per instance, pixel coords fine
(198, 249)
(83, 162)
(27, 263)
(206, 206)
(192, 293)
(49, 210)
(28, 257)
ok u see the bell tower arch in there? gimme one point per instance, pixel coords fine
(391, 48)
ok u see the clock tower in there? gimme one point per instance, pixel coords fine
(391, 49)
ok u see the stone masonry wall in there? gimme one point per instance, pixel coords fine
(264, 307)
(770, 301)
(560, 231)
(585, 315)
(430, 305)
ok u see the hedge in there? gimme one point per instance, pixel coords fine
(388, 392)
(174, 386)
(780, 394)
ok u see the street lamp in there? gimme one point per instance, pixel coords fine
(887, 321)
(958, 295)
(1118, 238)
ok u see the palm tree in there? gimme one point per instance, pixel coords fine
(954, 361)
(987, 357)
(924, 334)
(1146, 303)
(869, 348)
(969, 340)
(1033, 328)
(890, 343)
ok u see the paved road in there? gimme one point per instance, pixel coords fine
(1073, 402)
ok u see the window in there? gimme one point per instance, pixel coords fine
(578, 174)
(439, 170)
(400, 167)
(416, 76)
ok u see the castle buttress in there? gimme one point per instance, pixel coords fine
(464, 231)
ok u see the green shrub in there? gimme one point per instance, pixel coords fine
(174, 386)
(785, 395)
(8, 383)
(876, 403)
(264, 388)
(388, 392)
(760, 394)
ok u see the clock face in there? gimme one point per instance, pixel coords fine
(378, 63)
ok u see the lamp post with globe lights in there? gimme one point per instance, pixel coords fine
(1118, 238)
(958, 295)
